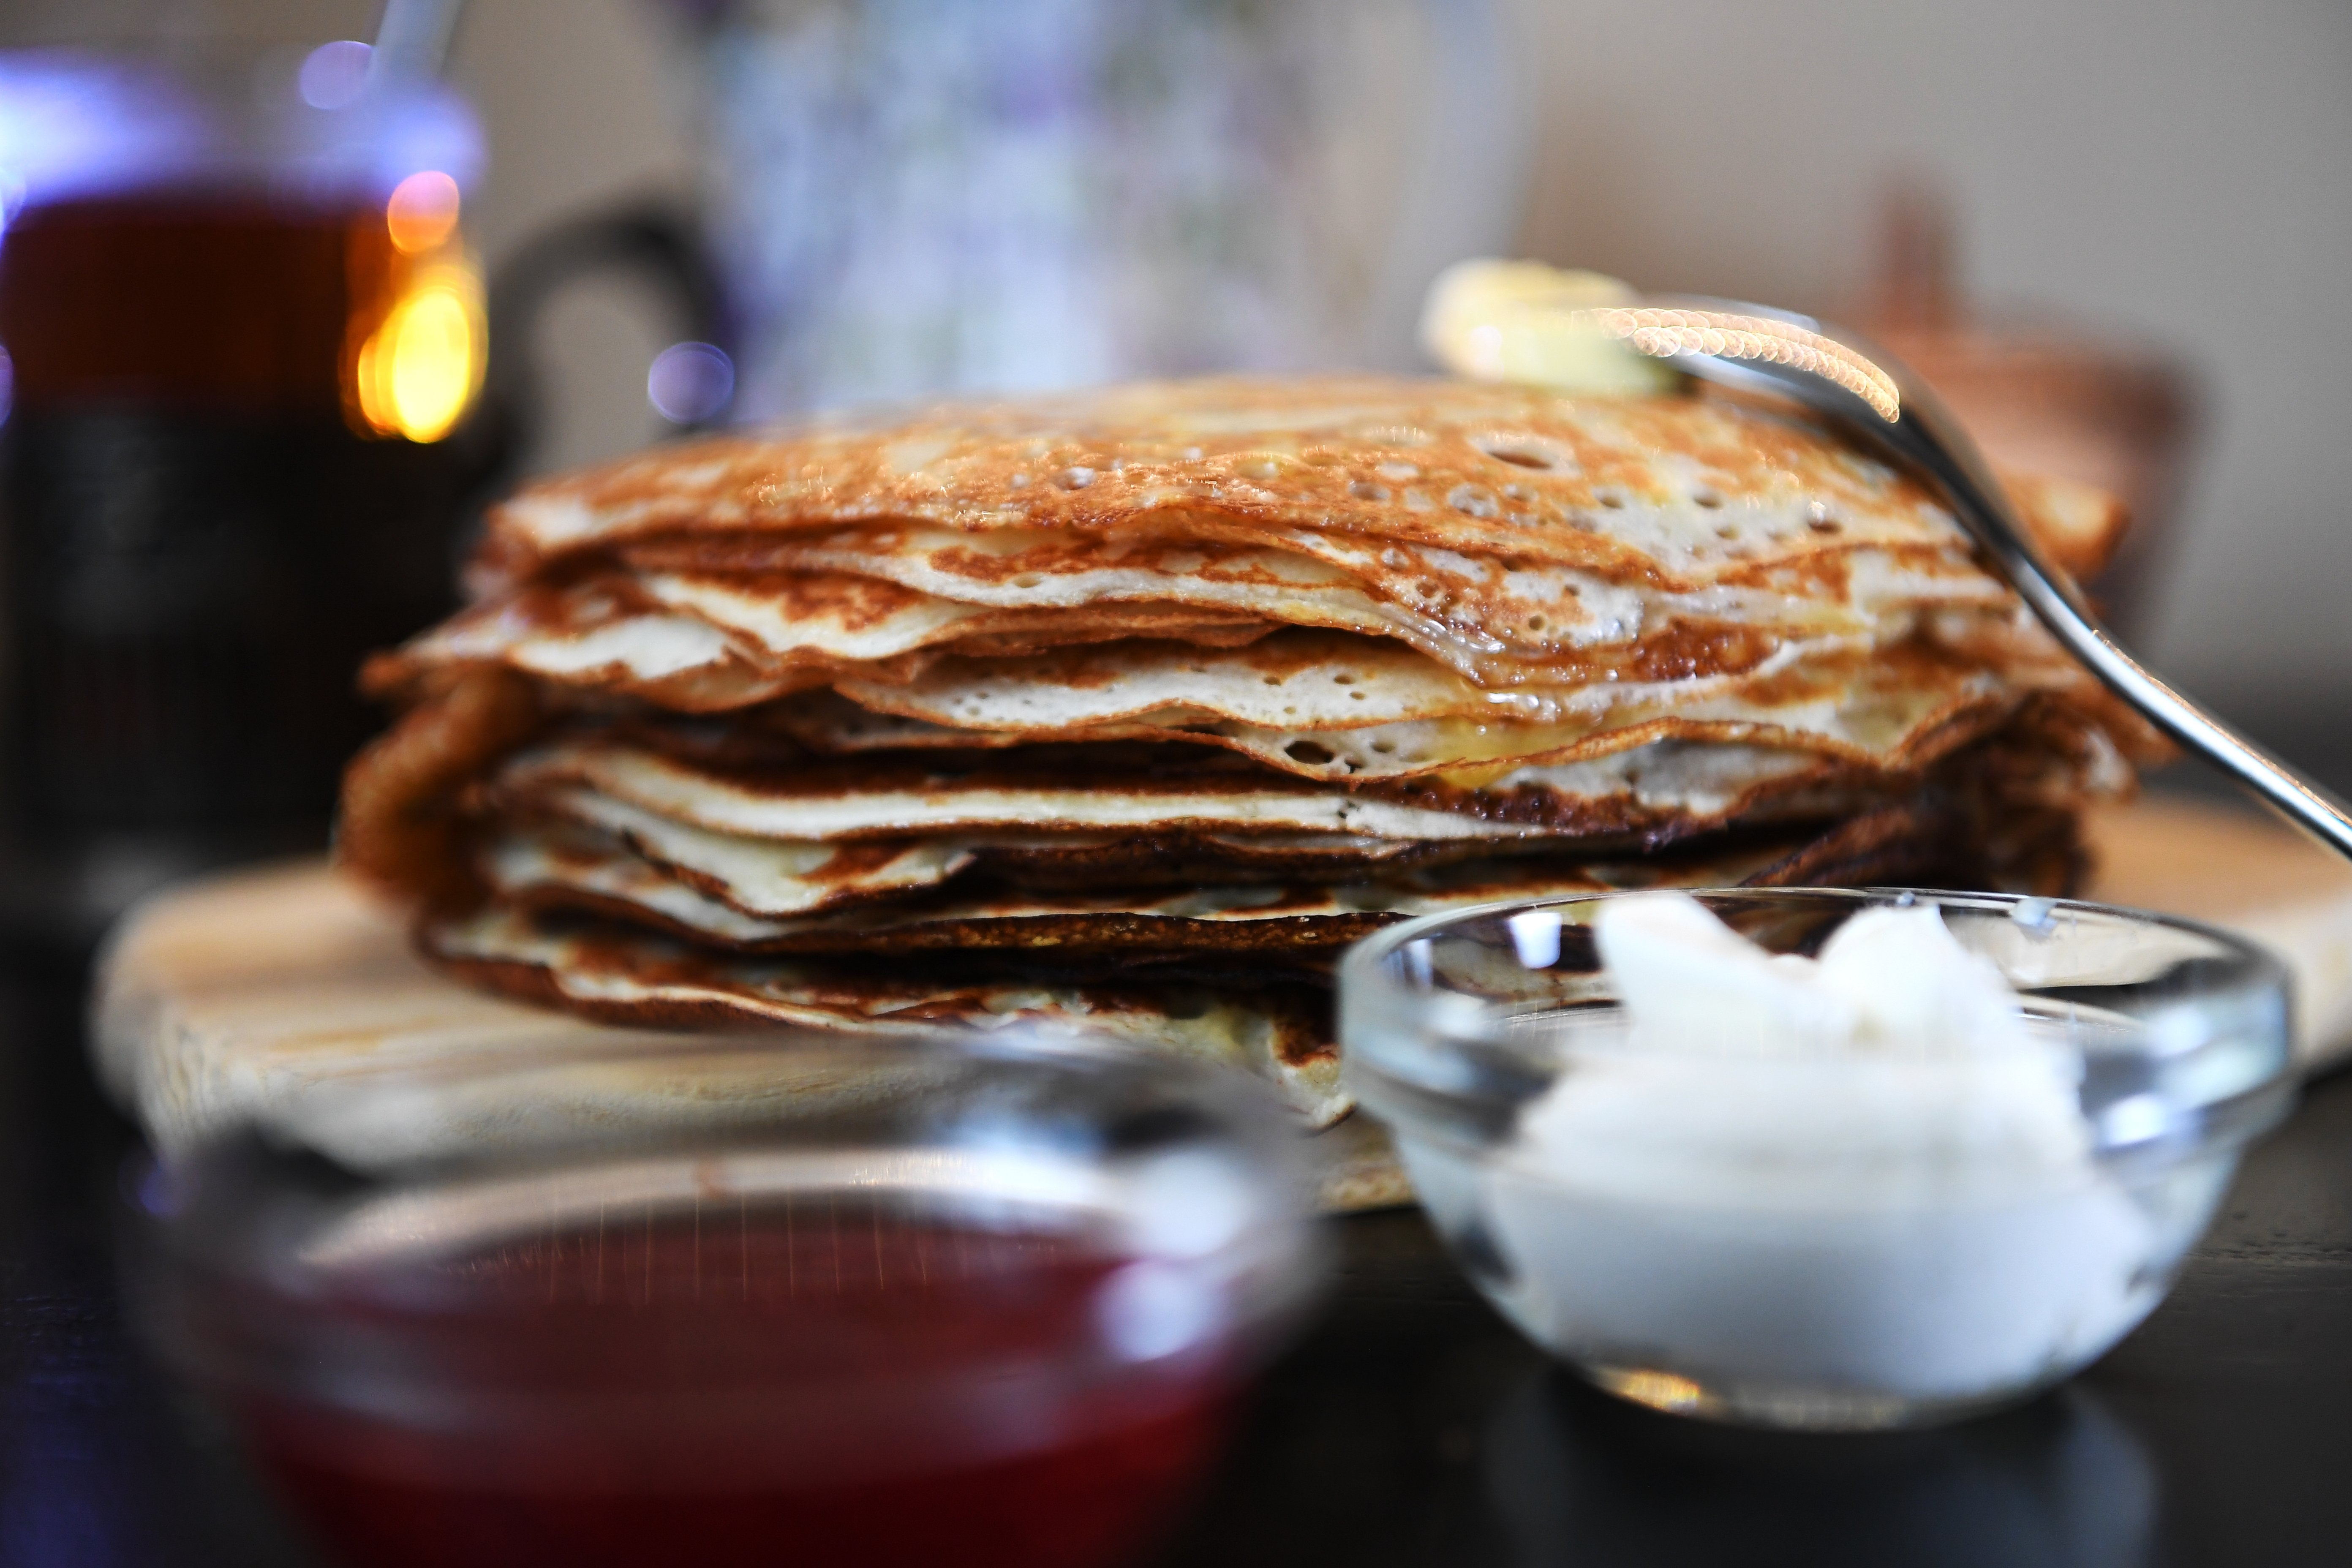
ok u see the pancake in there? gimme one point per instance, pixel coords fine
(621, 973)
(891, 797)
(726, 646)
(1673, 490)
(558, 866)
(1656, 791)
(1294, 708)
(773, 879)
(842, 619)
(1642, 784)
(1501, 620)
(1127, 712)
(570, 865)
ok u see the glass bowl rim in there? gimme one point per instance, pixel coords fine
(1405, 1083)
(1364, 961)
(1057, 1083)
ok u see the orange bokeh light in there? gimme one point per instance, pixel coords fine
(418, 373)
(422, 211)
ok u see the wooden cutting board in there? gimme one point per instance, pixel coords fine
(223, 1003)
(2238, 868)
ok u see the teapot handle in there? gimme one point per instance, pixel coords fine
(648, 240)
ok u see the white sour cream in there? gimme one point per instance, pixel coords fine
(1865, 1175)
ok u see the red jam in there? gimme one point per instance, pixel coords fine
(817, 1385)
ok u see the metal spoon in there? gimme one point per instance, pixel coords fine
(1874, 397)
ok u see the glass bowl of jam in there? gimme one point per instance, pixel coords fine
(1814, 1157)
(726, 1298)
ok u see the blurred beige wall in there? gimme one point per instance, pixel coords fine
(2175, 170)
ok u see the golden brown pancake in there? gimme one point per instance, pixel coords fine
(1133, 708)
(1670, 490)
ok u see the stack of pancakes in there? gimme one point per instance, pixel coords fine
(1131, 710)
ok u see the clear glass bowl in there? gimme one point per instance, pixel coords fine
(1820, 1241)
(888, 1301)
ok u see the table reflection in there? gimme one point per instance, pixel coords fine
(1571, 1474)
(1416, 1427)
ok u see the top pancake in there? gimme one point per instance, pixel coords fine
(1676, 493)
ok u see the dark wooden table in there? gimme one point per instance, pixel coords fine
(1409, 1425)
(1414, 1427)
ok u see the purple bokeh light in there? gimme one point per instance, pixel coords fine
(334, 75)
(690, 383)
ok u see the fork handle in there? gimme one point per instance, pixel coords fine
(1936, 445)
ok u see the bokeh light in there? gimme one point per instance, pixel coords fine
(419, 371)
(422, 211)
(690, 383)
(334, 75)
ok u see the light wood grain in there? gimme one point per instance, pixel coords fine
(2238, 869)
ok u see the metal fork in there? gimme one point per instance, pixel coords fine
(1873, 397)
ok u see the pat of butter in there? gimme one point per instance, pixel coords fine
(1518, 321)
